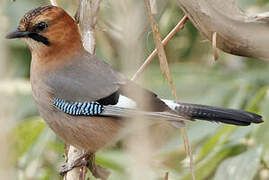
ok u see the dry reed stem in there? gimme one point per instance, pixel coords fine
(53, 2)
(160, 49)
(188, 150)
(8, 107)
(130, 19)
(177, 28)
(214, 46)
(86, 15)
(166, 176)
(153, 6)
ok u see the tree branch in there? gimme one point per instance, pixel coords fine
(237, 33)
(87, 18)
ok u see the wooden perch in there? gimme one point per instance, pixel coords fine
(237, 33)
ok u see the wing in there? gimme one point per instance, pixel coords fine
(87, 78)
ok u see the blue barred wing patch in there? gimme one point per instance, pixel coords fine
(78, 108)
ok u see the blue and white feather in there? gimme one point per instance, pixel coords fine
(78, 108)
(125, 108)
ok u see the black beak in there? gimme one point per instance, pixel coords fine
(17, 34)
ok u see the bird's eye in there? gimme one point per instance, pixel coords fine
(41, 26)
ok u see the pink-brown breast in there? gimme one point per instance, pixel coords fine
(84, 132)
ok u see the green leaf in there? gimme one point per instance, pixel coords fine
(115, 160)
(25, 134)
(207, 167)
(238, 99)
(243, 166)
(255, 102)
(220, 137)
(261, 133)
(34, 158)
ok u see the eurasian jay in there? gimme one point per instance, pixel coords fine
(82, 99)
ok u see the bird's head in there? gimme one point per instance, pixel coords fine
(47, 28)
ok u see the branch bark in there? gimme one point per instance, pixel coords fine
(86, 16)
(237, 33)
(73, 153)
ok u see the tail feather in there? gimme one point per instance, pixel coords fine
(116, 111)
(217, 114)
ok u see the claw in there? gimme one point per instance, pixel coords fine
(68, 166)
(65, 168)
(87, 160)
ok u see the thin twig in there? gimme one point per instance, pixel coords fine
(214, 46)
(166, 176)
(86, 15)
(188, 150)
(177, 28)
(153, 6)
(53, 2)
(160, 49)
(84, 172)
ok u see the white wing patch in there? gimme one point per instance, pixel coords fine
(170, 103)
(126, 102)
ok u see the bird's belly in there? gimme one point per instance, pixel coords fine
(89, 133)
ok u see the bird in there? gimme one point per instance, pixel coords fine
(83, 99)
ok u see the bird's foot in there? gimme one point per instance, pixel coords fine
(96, 170)
(86, 160)
(80, 161)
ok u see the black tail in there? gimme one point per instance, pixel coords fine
(217, 114)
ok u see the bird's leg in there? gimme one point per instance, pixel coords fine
(96, 170)
(88, 160)
(80, 161)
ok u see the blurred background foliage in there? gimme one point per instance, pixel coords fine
(221, 152)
